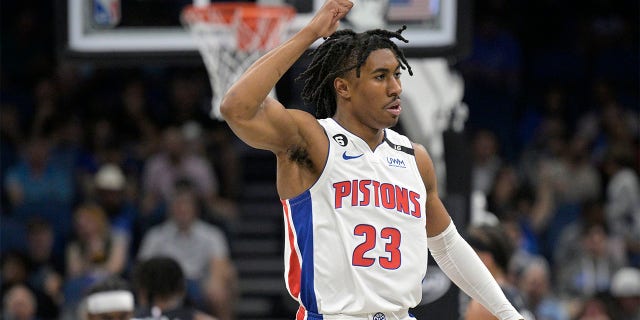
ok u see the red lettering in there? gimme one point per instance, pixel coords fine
(366, 193)
(402, 199)
(354, 194)
(415, 200)
(376, 193)
(388, 195)
(342, 189)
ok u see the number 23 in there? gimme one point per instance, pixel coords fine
(370, 235)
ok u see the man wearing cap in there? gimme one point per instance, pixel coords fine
(110, 190)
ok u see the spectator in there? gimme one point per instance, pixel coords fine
(200, 248)
(39, 187)
(96, 250)
(175, 163)
(534, 209)
(110, 299)
(105, 147)
(110, 193)
(535, 284)
(568, 246)
(525, 247)
(135, 124)
(19, 304)
(17, 270)
(189, 108)
(548, 169)
(595, 308)
(625, 290)
(486, 160)
(490, 245)
(622, 205)
(577, 180)
(10, 139)
(46, 268)
(609, 123)
(503, 192)
(553, 107)
(546, 150)
(94, 254)
(46, 107)
(590, 271)
(14, 269)
(161, 291)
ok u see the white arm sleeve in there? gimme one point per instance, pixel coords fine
(463, 266)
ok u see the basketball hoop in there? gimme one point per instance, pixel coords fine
(231, 36)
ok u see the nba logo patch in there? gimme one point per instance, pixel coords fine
(379, 316)
(106, 13)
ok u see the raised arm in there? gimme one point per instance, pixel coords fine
(263, 122)
(453, 254)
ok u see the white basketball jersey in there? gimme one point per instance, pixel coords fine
(356, 241)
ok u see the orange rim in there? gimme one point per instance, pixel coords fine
(250, 11)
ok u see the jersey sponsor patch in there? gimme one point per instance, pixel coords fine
(396, 162)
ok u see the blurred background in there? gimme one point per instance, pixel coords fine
(99, 161)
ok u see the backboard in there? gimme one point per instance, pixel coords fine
(119, 31)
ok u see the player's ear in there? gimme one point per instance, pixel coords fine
(341, 85)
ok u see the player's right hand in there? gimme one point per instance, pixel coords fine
(327, 19)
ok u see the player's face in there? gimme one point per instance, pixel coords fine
(375, 95)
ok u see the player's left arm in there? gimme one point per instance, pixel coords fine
(475, 311)
(453, 254)
(438, 218)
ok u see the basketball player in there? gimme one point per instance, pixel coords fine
(357, 196)
(110, 299)
(161, 291)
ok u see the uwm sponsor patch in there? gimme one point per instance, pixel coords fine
(375, 193)
(396, 162)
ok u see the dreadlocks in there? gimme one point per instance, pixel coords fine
(341, 52)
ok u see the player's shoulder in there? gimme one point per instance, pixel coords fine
(418, 147)
(301, 115)
(425, 164)
(306, 122)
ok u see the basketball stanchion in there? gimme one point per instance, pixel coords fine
(231, 36)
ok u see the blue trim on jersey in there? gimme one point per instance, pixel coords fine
(314, 316)
(301, 214)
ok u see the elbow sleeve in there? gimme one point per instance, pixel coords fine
(462, 265)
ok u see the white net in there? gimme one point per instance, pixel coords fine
(231, 37)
